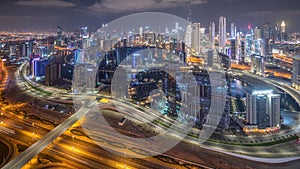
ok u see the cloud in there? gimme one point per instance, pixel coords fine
(25, 17)
(45, 3)
(117, 6)
(259, 13)
(272, 13)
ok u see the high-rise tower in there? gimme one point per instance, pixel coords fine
(233, 30)
(222, 31)
(196, 37)
(59, 36)
(188, 35)
(263, 108)
(283, 33)
(212, 30)
(283, 26)
(296, 72)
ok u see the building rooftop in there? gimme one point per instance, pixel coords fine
(254, 85)
(297, 57)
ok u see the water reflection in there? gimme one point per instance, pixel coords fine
(237, 88)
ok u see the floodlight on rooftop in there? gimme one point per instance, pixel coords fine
(262, 92)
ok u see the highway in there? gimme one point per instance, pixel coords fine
(37, 147)
(139, 117)
(79, 152)
(29, 140)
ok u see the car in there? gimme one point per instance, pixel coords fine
(122, 121)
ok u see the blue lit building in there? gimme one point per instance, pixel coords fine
(39, 67)
(79, 56)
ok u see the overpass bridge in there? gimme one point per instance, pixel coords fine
(37, 147)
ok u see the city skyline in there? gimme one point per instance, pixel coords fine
(162, 84)
(43, 15)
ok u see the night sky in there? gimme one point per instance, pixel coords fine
(72, 14)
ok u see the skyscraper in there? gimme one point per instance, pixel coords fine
(263, 108)
(240, 47)
(188, 35)
(84, 35)
(212, 30)
(210, 57)
(232, 49)
(296, 72)
(53, 74)
(59, 36)
(248, 46)
(233, 30)
(84, 32)
(222, 31)
(283, 26)
(257, 33)
(283, 34)
(267, 35)
(196, 37)
(257, 65)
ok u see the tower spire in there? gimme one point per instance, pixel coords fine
(188, 4)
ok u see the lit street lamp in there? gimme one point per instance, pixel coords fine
(73, 142)
(32, 135)
(1, 118)
(33, 127)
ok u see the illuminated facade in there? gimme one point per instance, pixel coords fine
(296, 73)
(283, 33)
(58, 41)
(212, 31)
(283, 26)
(81, 76)
(196, 37)
(39, 67)
(257, 65)
(248, 47)
(233, 30)
(263, 109)
(79, 56)
(222, 32)
(188, 35)
(240, 47)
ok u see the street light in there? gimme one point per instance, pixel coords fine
(33, 127)
(73, 142)
(1, 118)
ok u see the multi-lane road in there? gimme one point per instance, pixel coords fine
(38, 146)
(79, 152)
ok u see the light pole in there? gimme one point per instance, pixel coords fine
(32, 135)
(1, 117)
(33, 131)
(73, 142)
